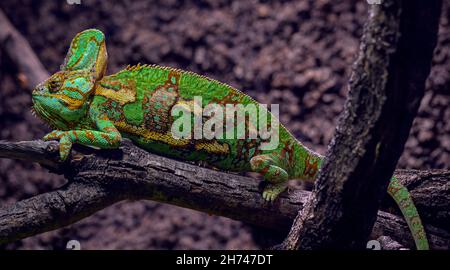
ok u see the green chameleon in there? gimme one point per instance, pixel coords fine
(86, 107)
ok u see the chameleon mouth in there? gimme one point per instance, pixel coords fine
(38, 112)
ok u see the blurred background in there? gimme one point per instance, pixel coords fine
(295, 53)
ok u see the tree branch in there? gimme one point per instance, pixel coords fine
(99, 178)
(21, 53)
(385, 89)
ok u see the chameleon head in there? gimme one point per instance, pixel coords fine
(63, 99)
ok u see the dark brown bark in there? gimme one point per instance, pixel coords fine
(98, 179)
(385, 89)
(96, 182)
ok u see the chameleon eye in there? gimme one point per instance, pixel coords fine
(53, 86)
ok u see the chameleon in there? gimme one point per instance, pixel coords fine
(85, 106)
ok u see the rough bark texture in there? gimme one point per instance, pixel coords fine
(386, 87)
(98, 181)
(98, 178)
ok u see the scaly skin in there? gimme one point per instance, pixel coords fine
(86, 107)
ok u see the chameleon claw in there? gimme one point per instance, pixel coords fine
(272, 191)
(265, 196)
(65, 142)
(268, 196)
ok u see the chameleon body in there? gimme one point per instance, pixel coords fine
(86, 107)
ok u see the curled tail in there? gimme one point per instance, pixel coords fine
(404, 201)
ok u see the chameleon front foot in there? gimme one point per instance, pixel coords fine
(271, 191)
(65, 142)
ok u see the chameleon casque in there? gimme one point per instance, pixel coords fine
(85, 106)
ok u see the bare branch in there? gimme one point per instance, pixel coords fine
(21, 53)
(44, 153)
(100, 178)
(53, 210)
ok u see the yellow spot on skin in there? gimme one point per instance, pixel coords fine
(72, 103)
(166, 138)
(90, 136)
(102, 59)
(125, 95)
(213, 147)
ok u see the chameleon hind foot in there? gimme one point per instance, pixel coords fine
(271, 191)
(276, 176)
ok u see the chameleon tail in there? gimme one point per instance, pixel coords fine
(403, 199)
